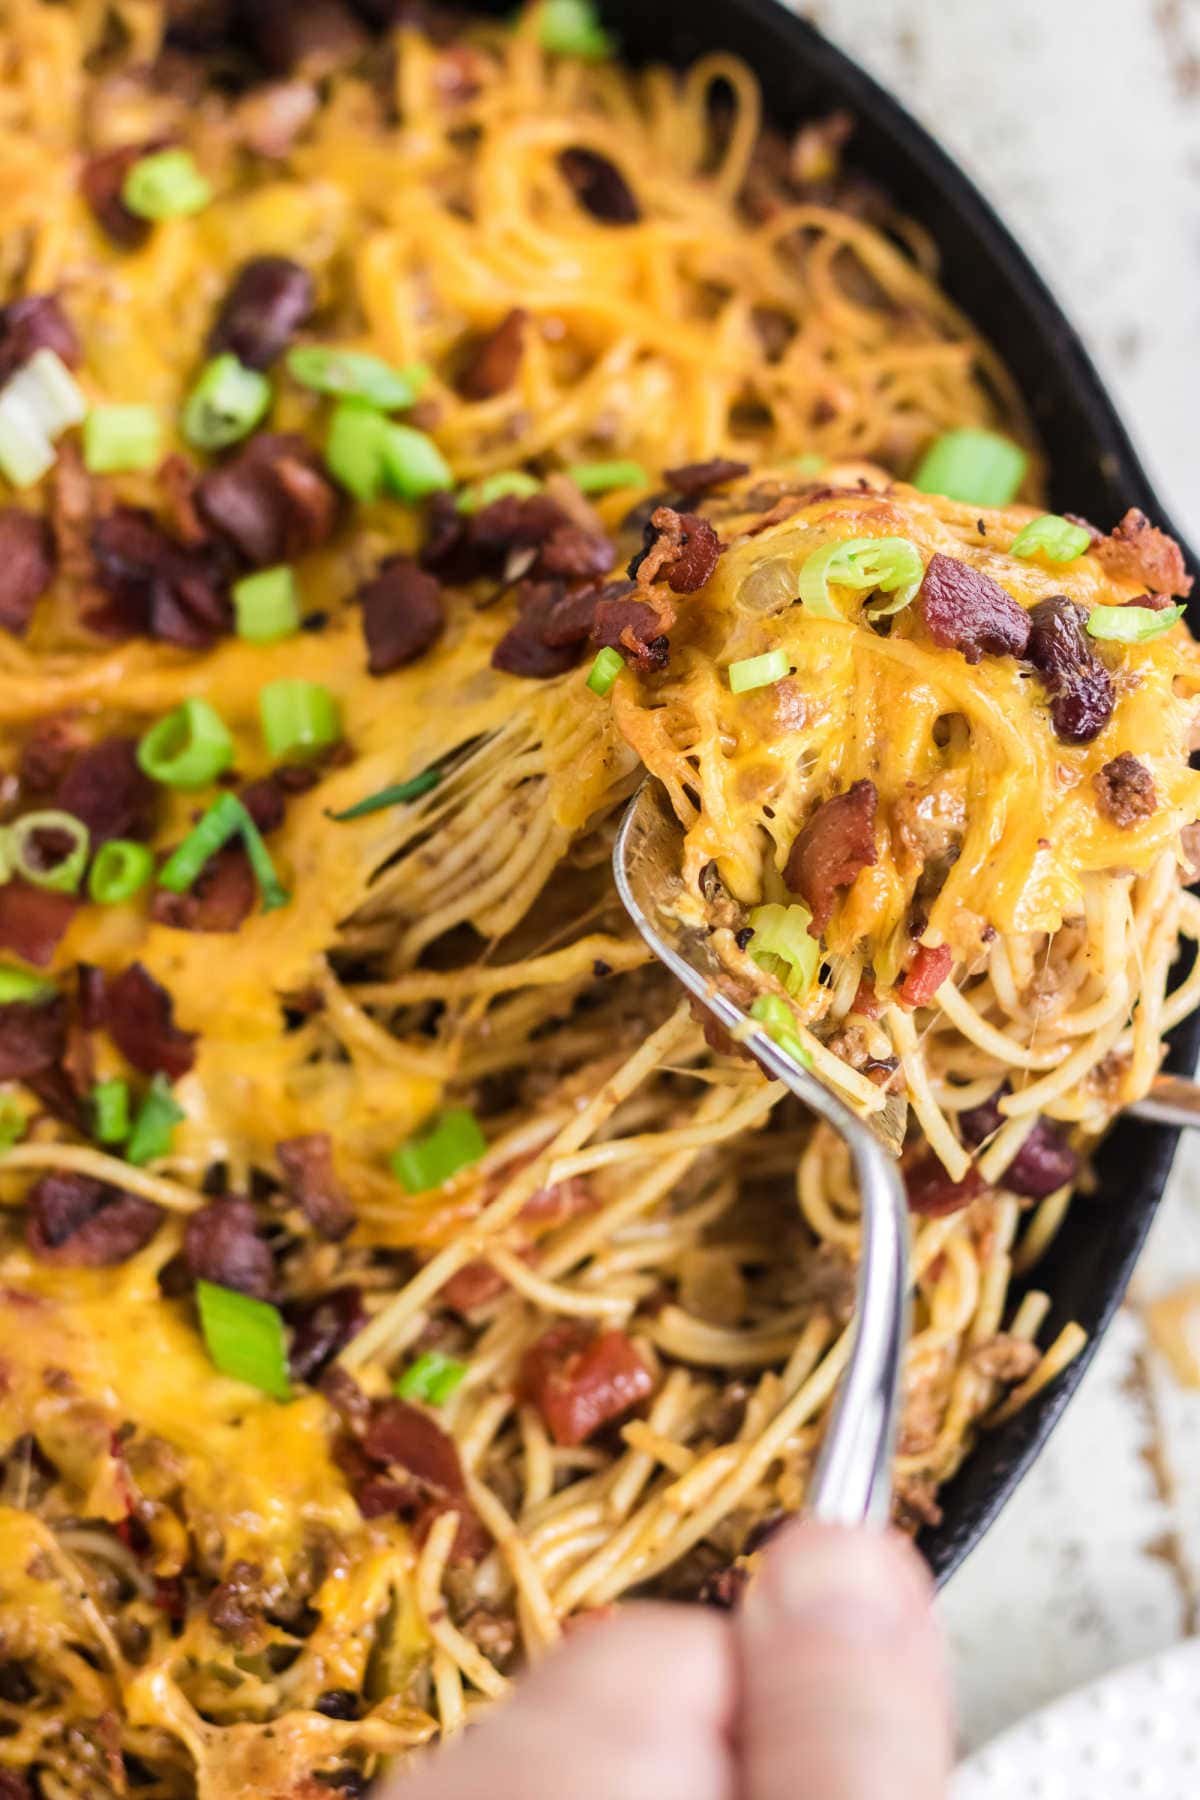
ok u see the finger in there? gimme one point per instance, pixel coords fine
(844, 1693)
(637, 1706)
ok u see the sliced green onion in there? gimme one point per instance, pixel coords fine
(225, 405)
(808, 464)
(980, 468)
(775, 1017)
(355, 375)
(354, 449)
(454, 1142)
(433, 1377)
(12, 1123)
(413, 465)
(604, 477)
(399, 795)
(110, 1111)
(225, 819)
(26, 453)
(47, 387)
(165, 185)
(299, 718)
(1131, 624)
(891, 564)
(784, 946)
(64, 876)
(271, 890)
(483, 493)
(572, 28)
(604, 670)
(1053, 537)
(116, 438)
(120, 869)
(267, 605)
(758, 671)
(154, 1125)
(245, 1338)
(188, 749)
(18, 985)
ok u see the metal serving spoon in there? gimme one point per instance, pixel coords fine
(852, 1482)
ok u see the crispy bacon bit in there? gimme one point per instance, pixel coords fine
(832, 851)
(157, 587)
(404, 614)
(235, 1608)
(401, 1437)
(33, 1036)
(931, 1192)
(14, 1786)
(33, 920)
(37, 322)
(524, 650)
(697, 478)
(599, 186)
(495, 359)
(1006, 1358)
(1125, 791)
(966, 610)
(140, 1018)
(72, 512)
(222, 897)
(107, 790)
(270, 299)
(635, 628)
(272, 502)
(222, 1244)
(475, 1284)
(102, 180)
(925, 975)
(580, 1381)
(321, 1328)
(1135, 550)
(681, 549)
(48, 753)
(307, 1164)
(80, 1223)
(1079, 685)
(27, 559)
(575, 554)
(866, 1000)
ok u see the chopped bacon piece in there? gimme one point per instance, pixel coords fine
(866, 1000)
(404, 614)
(272, 502)
(1079, 685)
(398, 1436)
(548, 1206)
(580, 1381)
(832, 851)
(637, 629)
(33, 920)
(33, 1036)
(1135, 550)
(925, 975)
(475, 1284)
(1125, 791)
(48, 753)
(966, 610)
(139, 1015)
(321, 1328)
(307, 1164)
(495, 359)
(102, 182)
(27, 556)
(699, 477)
(37, 322)
(270, 299)
(221, 898)
(157, 587)
(681, 549)
(107, 791)
(235, 1608)
(599, 186)
(931, 1192)
(524, 649)
(81, 1223)
(222, 1244)
(575, 553)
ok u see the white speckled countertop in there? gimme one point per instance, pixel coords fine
(1081, 120)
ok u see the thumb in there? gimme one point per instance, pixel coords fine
(844, 1693)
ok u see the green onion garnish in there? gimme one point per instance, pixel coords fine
(399, 795)
(225, 405)
(299, 718)
(119, 870)
(483, 493)
(784, 946)
(39, 403)
(165, 185)
(453, 1142)
(225, 819)
(980, 468)
(604, 670)
(604, 477)
(758, 671)
(355, 375)
(187, 749)
(775, 1017)
(245, 1338)
(110, 1111)
(27, 858)
(1053, 537)
(413, 465)
(154, 1125)
(1131, 624)
(116, 438)
(267, 605)
(571, 28)
(26, 453)
(354, 449)
(19, 986)
(12, 1123)
(891, 564)
(808, 464)
(433, 1377)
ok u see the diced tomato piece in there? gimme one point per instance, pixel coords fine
(926, 973)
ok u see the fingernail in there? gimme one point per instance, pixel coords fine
(842, 1584)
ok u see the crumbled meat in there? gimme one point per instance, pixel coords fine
(81, 1223)
(1125, 791)
(270, 299)
(48, 753)
(157, 587)
(966, 610)
(33, 920)
(235, 1608)
(579, 1380)
(139, 1015)
(931, 1192)
(495, 360)
(404, 614)
(693, 479)
(222, 1245)
(925, 975)
(681, 549)
(102, 182)
(37, 322)
(33, 1036)
(1079, 685)
(428, 1475)
(273, 502)
(1135, 550)
(27, 556)
(832, 850)
(221, 898)
(575, 553)
(524, 650)
(1005, 1358)
(107, 791)
(635, 628)
(599, 186)
(307, 1164)
(323, 1327)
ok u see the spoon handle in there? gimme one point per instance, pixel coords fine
(1172, 1100)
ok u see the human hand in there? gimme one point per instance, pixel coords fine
(829, 1684)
